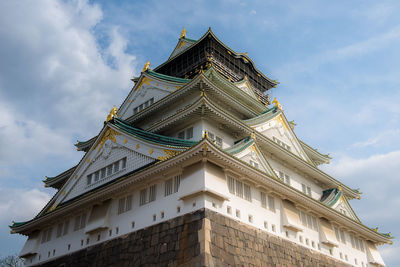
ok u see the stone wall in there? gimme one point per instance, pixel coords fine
(201, 238)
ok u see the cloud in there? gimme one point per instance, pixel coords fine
(378, 177)
(57, 80)
(383, 138)
(19, 205)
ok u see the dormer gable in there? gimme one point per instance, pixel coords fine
(182, 45)
(246, 87)
(119, 150)
(273, 124)
(335, 199)
(248, 151)
(149, 88)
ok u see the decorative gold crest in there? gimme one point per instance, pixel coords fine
(108, 135)
(168, 154)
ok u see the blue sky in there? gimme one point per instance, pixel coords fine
(65, 63)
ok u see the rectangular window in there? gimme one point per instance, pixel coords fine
(83, 221)
(152, 193)
(303, 188)
(337, 234)
(247, 192)
(231, 185)
(121, 205)
(124, 204)
(96, 176)
(59, 230)
(271, 203)
(168, 187)
(89, 179)
(143, 196)
(181, 135)
(123, 163)
(66, 226)
(308, 191)
(116, 166)
(263, 200)
(342, 237)
(151, 101)
(239, 189)
(135, 110)
(103, 173)
(218, 141)
(211, 136)
(128, 203)
(109, 170)
(189, 133)
(177, 182)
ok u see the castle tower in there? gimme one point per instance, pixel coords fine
(197, 168)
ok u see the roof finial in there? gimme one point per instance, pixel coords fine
(183, 33)
(277, 104)
(112, 114)
(146, 66)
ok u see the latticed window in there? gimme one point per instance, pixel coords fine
(239, 188)
(247, 192)
(263, 200)
(124, 204)
(271, 203)
(143, 196)
(231, 185)
(168, 187)
(152, 193)
(46, 235)
(80, 222)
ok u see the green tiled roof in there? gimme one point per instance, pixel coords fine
(166, 77)
(330, 196)
(240, 146)
(152, 137)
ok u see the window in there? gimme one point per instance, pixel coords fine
(80, 222)
(106, 171)
(250, 218)
(228, 209)
(162, 215)
(247, 192)
(143, 196)
(265, 224)
(216, 139)
(263, 200)
(168, 187)
(152, 194)
(150, 197)
(178, 209)
(154, 217)
(239, 188)
(342, 237)
(143, 105)
(172, 185)
(283, 177)
(46, 235)
(238, 213)
(271, 203)
(181, 135)
(125, 204)
(231, 185)
(133, 224)
(282, 144)
(189, 133)
(308, 220)
(273, 228)
(306, 189)
(62, 229)
(301, 239)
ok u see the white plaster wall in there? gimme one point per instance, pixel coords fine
(212, 176)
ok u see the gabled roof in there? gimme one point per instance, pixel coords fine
(212, 36)
(332, 197)
(205, 148)
(183, 44)
(151, 137)
(58, 181)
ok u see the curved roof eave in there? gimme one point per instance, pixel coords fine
(234, 53)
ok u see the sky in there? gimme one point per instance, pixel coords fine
(65, 63)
